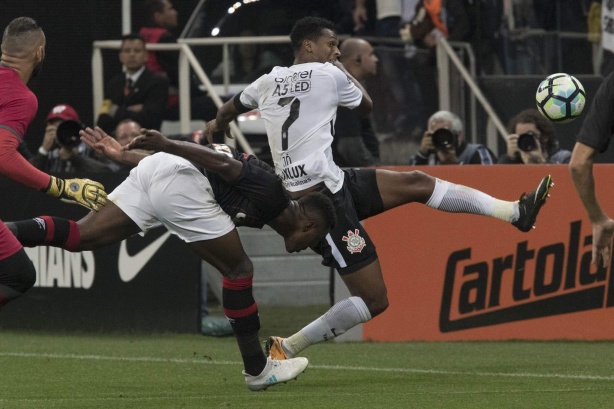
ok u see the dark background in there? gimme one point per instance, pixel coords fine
(71, 26)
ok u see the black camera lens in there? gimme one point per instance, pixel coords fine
(67, 134)
(444, 139)
(527, 141)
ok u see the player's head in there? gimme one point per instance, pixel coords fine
(358, 57)
(314, 219)
(23, 46)
(314, 40)
(160, 13)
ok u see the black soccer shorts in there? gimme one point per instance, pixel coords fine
(348, 247)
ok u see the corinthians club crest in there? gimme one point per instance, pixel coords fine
(354, 241)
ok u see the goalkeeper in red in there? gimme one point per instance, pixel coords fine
(23, 52)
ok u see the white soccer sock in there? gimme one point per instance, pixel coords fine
(453, 198)
(341, 317)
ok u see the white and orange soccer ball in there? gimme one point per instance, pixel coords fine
(560, 97)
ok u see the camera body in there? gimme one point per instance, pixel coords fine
(444, 139)
(67, 134)
(527, 141)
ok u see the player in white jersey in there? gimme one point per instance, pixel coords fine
(298, 104)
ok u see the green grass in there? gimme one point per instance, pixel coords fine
(67, 370)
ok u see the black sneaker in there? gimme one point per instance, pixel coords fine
(529, 205)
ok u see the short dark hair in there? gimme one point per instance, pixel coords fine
(546, 129)
(320, 204)
(21, 32)
(308, 28)
(132, 36)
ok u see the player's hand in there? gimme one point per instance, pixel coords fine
(150, 140)
(602, 242)
(85, 192)
(102, 143)
(213, 127)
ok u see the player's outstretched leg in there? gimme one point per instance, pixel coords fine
(530, 204)
(276, 372)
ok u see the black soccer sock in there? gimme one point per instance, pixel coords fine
(47, 230)
(242, 312)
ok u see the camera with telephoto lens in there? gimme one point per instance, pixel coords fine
(444, 139)
(67, 134)
(527, 141)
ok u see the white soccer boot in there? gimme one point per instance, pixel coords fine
(276, 372)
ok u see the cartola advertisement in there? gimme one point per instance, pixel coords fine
(467, 277)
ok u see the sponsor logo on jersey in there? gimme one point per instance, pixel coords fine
(557, 278)
(297, 83)
(294, 172)
(354, 241)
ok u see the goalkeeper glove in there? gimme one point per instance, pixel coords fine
(86, 192)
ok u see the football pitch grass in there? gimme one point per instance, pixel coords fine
(68, 370)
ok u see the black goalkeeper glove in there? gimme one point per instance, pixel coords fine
(86, 192)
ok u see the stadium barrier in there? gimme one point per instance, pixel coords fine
(466, 277)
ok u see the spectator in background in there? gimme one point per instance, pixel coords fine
(399, 71)
(444, 144)
(355, 142)
(161, 18)
(248, 61)
(61, 149)
(137, 93)
(532, 140)
(607, 37)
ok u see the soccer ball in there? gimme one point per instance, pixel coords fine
(560, 97)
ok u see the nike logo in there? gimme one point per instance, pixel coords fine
(131, 265)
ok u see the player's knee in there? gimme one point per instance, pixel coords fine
(417, 178)
(244, 268)
(376, 305)
(27, 277)
(21, 274)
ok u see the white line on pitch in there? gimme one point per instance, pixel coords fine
(333, 367)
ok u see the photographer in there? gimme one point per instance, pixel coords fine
(61, 149)
(532, 140)
(444, 144)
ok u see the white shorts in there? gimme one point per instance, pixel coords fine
(168, 190)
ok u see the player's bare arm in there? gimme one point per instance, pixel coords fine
(225, 115)
(366, 104)
(227, 167)
(107, 146)
(581, 170)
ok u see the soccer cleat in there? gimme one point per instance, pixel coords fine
(273, 348)
(276, 372)
(529, 205)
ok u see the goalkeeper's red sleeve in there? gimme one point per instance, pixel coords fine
(16, 167)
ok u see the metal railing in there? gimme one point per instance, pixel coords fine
(187, 59)
(446, 53)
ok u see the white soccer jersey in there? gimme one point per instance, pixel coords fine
(299, 106)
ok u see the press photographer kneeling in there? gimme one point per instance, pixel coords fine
(532, 140)
(444, 144)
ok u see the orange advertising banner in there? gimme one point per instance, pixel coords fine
(454, 276)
